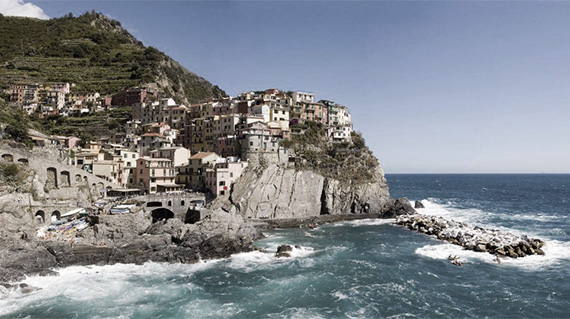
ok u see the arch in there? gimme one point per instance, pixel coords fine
(85, 180)
(8, 157)
(100, 186)
(40, 216)
(55, 215)
(64, 179)
(154, 204)
(169, 203)
(93, 187)
(182, 203)
(51, 181)
(23, 161)
(77, 178)
(160, 214)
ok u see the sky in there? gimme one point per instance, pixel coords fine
(433, 86)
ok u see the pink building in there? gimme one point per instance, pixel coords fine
(220, 178)
(156, 175)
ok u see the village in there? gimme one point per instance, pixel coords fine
(168, 147)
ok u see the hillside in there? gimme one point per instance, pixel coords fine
(95, 53)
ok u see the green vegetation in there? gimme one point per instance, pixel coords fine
(16, 123)
(340, 160)
(86, 127)
(10, 172)
(95, 53)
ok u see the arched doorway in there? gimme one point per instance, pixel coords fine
(51, 178)
(160, 214)
(40, 216)
(55, 215)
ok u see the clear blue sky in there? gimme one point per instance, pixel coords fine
(440, 87)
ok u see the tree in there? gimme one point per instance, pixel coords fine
(18, 131)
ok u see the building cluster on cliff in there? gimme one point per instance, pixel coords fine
(168, 146)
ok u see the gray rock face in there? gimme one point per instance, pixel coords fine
(418, 204)
(131, 238)
(278, 193)
(400, 206)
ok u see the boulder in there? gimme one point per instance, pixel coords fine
(284, 251)
(400, 206)
(418, 204)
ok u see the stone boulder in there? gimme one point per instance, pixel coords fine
(418, 204)
(400, 206)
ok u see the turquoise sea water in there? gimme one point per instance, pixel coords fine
(361, 269)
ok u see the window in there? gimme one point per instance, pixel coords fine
(222, 183)
(231, 174)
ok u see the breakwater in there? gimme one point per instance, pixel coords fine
(473, 237)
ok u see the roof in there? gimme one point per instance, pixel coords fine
(202, 155)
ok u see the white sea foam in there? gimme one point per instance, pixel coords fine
(96, 284)
(251, 261)
(369, 222)
(339, 295)
(555, 253)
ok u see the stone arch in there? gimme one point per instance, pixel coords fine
(154, 204)
(51, 181)
(55, 215)
(40, 216)
(85, 180)
(64, 179)
(182, 203)
(93, 187)
(161, 214)
(77, 178)
(8, 157)
(100, 186)
(169, 203)
(23, 161)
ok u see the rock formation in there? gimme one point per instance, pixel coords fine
(473, 237)
(279, 192)
(130, 238)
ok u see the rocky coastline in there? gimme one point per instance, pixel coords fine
(133, 238)
(473, 238)
(129, 238)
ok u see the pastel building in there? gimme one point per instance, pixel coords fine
(156, 175)
(225, 172)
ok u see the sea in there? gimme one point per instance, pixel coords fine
(359, 269)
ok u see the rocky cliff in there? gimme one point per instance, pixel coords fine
(280, 192)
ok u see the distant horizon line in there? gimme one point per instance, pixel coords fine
(385, 173)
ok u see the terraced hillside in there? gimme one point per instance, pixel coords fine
(95, 53)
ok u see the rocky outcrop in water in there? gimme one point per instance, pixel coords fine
(130, 238)
(473, 237)
(400, 206)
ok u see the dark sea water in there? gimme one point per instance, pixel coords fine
(361, 269)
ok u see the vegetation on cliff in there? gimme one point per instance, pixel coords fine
(346, 161)
(95, 53)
